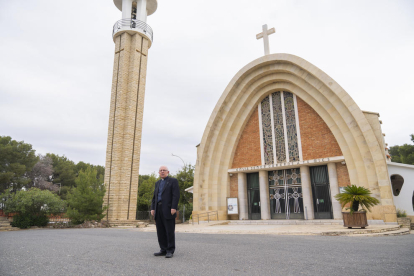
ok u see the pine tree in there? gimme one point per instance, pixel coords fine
(86, 199)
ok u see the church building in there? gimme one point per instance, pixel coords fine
(283, 139)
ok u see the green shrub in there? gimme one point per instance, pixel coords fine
(401, 213)
(23, 221)
(32, 206)
(40, 220)
(33, 201)
(188, 211)
(26, 220)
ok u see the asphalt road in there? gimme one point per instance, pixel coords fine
(129, 252)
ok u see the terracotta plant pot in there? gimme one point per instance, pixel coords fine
(357, 219)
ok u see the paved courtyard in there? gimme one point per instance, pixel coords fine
(129, 252)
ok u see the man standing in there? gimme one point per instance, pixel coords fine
(164, 208)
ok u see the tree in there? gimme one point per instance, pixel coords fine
(146, 185)
(86, 199)
(16, 160)
(185, 178)
(403, 154)
(83, 166)
(41, 174)
(32, 206)
(64, 172)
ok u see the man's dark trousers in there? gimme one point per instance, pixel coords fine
(165, 231)
(162, 206)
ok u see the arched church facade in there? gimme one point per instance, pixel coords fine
(284, 138)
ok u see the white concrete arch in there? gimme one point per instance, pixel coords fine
(364, 156)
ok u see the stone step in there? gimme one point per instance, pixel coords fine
(399, 232)
(7, 228)
(286, 222)
(126, 223)
(359, 232)
(5, 225)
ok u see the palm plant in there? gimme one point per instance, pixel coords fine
(357, 196)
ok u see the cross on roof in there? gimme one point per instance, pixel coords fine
(265, 35)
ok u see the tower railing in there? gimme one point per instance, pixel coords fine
(133, 24)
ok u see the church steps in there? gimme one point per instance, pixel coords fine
(286, 222)
(127, 223)
(5, 225)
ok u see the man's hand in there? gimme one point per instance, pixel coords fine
(152, 212)
(173, 211)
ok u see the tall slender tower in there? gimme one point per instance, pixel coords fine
(132, 37)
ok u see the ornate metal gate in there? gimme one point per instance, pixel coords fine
(286, 199)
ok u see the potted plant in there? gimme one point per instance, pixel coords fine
(356, 197)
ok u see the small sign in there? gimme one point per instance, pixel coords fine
(232, 206)
(321, 200)
(341, 190)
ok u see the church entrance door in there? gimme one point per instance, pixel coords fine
(253, 196)
(321, 192)
(285, 190)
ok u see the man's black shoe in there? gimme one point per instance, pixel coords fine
(161, 253)
(169, 255)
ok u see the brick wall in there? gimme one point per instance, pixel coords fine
(234, 188)
(317, 139)
(343, 176)
(248, 149)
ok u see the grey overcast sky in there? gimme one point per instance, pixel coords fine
(57, 56)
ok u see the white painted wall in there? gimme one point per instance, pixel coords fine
(404, 200)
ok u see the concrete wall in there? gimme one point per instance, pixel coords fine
(404, 200)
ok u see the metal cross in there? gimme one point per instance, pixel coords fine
(265, 35)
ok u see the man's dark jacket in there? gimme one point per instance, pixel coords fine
(169, 197)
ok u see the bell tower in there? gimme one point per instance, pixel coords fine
(133, 37)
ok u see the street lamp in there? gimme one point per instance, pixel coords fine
(183, 193)
(178, 157)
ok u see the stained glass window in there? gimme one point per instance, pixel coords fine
(278, 125)
(267, 131)
(292, 135)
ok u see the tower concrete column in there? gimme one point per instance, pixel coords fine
(142, 10)
(125, 120)
(126, 9)
(242, 195)
(264, 195)
(333, 183)
(307, 192)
